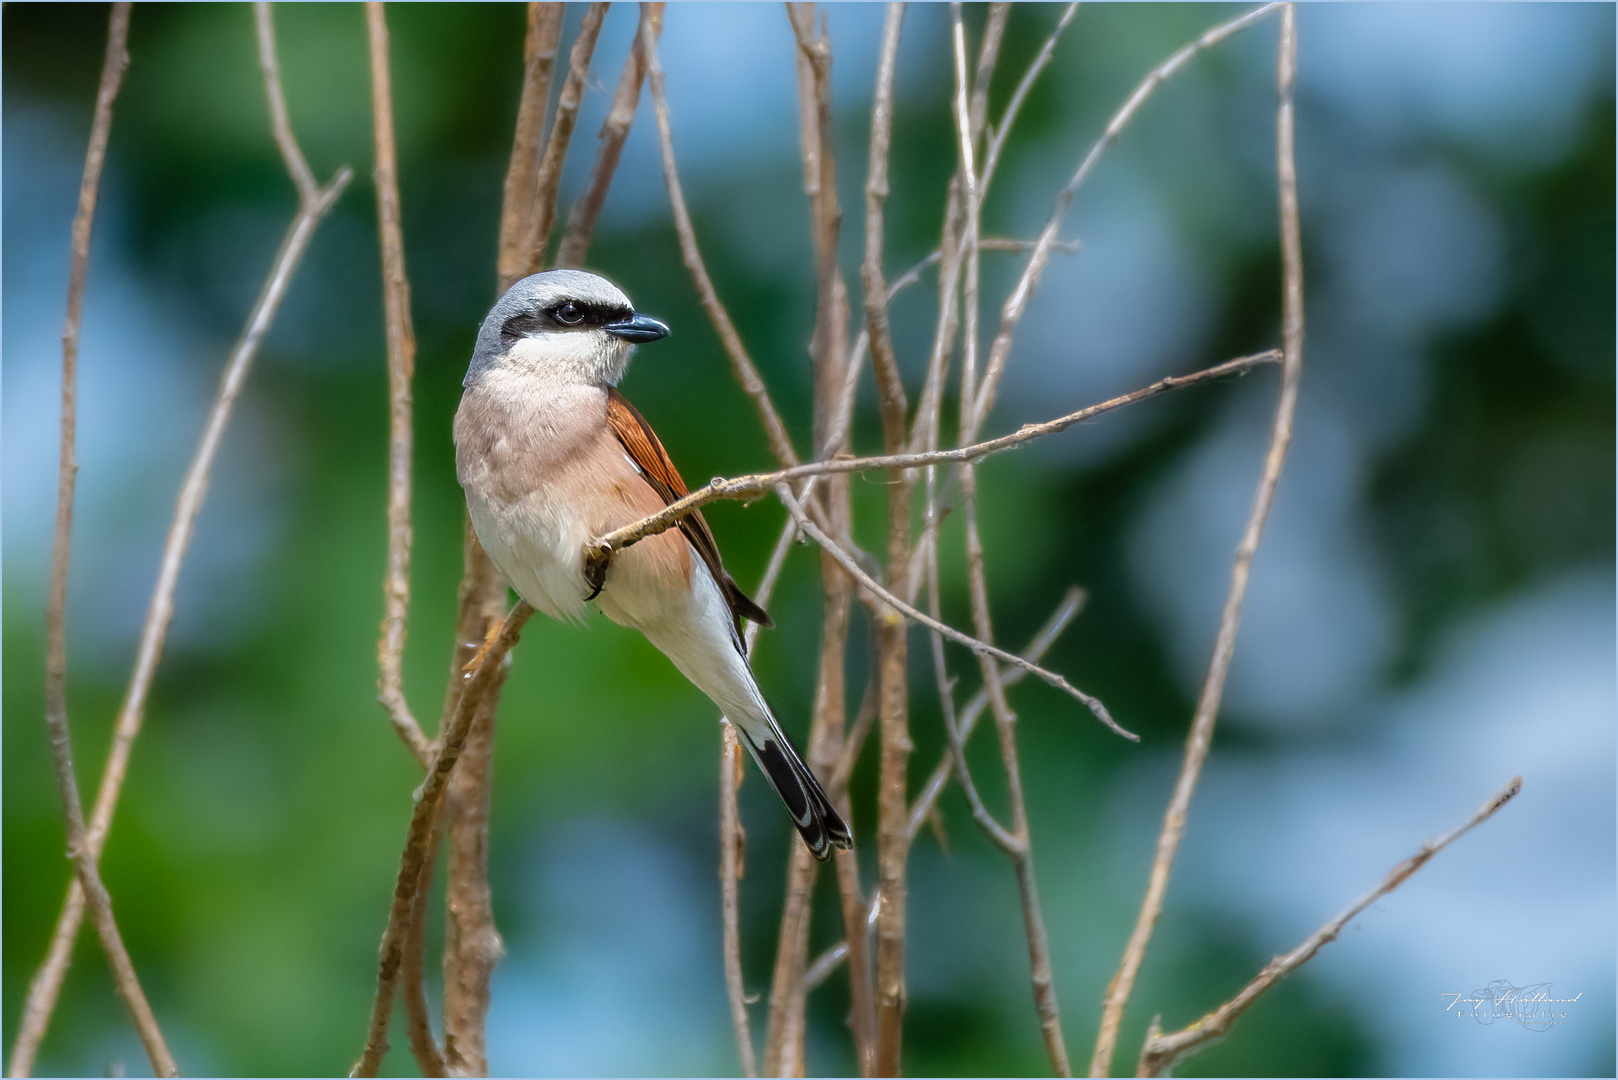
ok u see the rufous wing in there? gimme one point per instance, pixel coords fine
(644, 448)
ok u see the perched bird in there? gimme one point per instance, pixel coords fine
(552, 456)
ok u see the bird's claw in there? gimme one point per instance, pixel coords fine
(596, 558)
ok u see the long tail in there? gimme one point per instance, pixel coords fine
(820, 825)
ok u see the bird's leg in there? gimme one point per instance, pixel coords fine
(488, 640)
(596, 558)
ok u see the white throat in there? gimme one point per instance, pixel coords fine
(592, 357)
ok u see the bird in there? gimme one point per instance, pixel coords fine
(551, 456)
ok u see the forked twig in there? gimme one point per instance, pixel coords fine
(1161, 1052)
(475, 687)
(549, 179)
(997, 139)
(1202, 724)
(314, 203)
(581, 220)
(852, 566)
(927, 799)
(518, 257)
(1017, 301)
(401, 368)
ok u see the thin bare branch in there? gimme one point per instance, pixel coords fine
(755, 484)
(401, 369)
(971, 199)
(412, 974)
(549, 180)
(787, 1025)
(1161, 1052)
(741, 363)
(998, 834)
(270, 67)
(472, 944)
(1017, 302)
(1016, 841)
(997, 138)
(47, 982)
(581, 220)
(890, 387)
(826, 963)
(1202, 724)
(475, 687)
(994, 34)
(924, 803)
(852, 566)
(1039, 956)
(518, 257)
(56, 722)
(732, 838)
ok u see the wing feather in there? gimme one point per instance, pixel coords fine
(644, 448)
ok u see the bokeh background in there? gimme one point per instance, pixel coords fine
(1432, 608)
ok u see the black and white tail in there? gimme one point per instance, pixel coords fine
(821, 826)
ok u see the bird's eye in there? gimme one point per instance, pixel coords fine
(569, 314)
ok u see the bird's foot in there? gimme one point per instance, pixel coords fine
(596, 559)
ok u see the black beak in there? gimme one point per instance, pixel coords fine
(640, 329)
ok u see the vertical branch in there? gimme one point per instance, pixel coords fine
(785, 1031)
(1202, 724)
(731, 841)
(567, 115)
(517, 259)
(78, 849)
(732, 838)
(472, 945)
(314, 203)
(581, 220)
(892, 642)
(1018, 845)
(396, 582)
(401, 368)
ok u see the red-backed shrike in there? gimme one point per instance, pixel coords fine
(551, 456)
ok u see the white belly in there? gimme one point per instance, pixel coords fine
(539, 550)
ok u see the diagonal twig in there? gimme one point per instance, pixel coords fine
(549, 179)
(997, 139)
(1202, 724)
(741, 363)
(1017, 301)
(924, 802)
(1161, 1052)
(755, 484)
(475, 687)
(581, 220)
(314, 203)
(852, 566)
